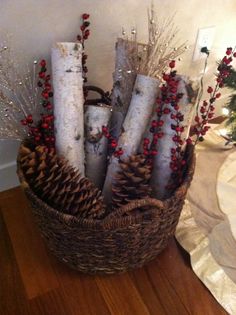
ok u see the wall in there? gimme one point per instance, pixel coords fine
(36, 24)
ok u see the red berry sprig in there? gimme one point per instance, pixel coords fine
(168, 91)
(173, 98)
(85, 33)
(207, 108)
(112, 143)
(42, 131)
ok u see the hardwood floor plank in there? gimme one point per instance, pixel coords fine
(174, 264)
(9, 193)
(12, 297)
(51, 303)
(31, 255)
(157, 292)
(80, 291)
(121, 295)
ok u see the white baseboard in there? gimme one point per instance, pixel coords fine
(8, 177)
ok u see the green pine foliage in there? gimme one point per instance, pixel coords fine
(230, 82)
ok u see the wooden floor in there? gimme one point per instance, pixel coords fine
(33, 282)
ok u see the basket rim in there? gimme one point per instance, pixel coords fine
(112, 222)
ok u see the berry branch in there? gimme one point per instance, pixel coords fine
(207, 108)
(85, 32)
(42, 132)
(112, 143)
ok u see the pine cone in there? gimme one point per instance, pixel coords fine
(60, 185)
(132, 181)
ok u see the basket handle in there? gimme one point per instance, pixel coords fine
(136, 204)
(104, 96)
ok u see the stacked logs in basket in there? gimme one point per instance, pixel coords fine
(92, 172)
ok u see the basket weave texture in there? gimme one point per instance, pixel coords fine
(116, 243)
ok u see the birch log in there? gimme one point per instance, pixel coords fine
(68, 102)
(161, 173)
(138, 115)
(124, 79)
(95, 143)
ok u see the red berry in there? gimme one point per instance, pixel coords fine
(87, 33)
(23, 122)
(45, 125)
(48, 77)
(173, 90)
(183, 162)
(45, 94)
(189, 141)
(229, 51)
(154, 141)
(154, 123)
(43, 63)
(154, 152)
(160, 123)
(205, 103)
(218, 95)
(165, 77)
(104, 129)
(210, 115)
(146, 141)
(85, 16)
(234, 54)
(42, 75)
(172, 64)
(120, 152)
(29, 119)
(37, 138)
(113, 144)
(79, 38)
(210, 89)
(82, 27)
(166, 111)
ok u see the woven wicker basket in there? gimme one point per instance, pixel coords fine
(116, 243)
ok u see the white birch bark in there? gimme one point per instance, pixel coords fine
(123, 82)
(138, 115)
(68, 102)
(95, 143)
(161, 173)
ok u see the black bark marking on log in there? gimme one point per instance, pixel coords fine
(69, 70)
(137, 91)
(117, 84)
(95, 138)
(119, 102)
(77, 138)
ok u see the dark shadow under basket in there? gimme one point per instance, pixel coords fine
(116, 243)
